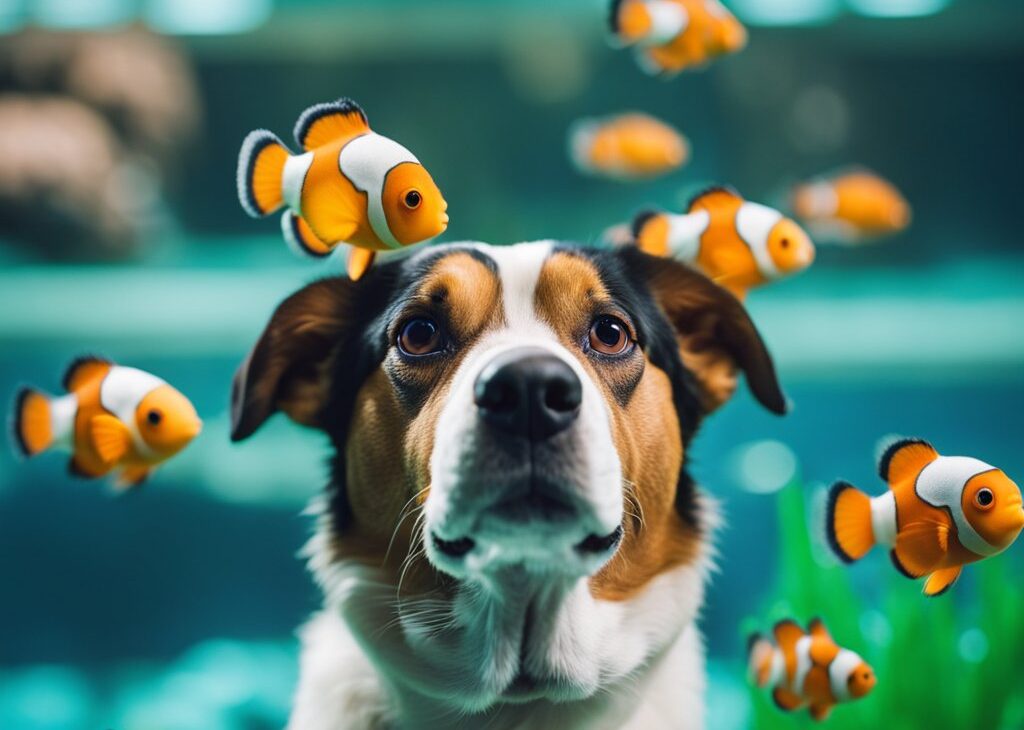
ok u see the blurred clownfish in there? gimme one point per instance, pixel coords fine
(940, 513)
(113, 417)
(350, 185)
(626, 147)
(672, 35)
(738, 244)
(807, 668)
(851, 207)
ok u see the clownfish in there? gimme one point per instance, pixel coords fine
(738, 244)
(940, 513)
(626, 147)
(349, 185)
(672, 35)
(807, 668)
(851, 207)
(112, 417)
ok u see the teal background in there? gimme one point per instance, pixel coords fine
(174, 607)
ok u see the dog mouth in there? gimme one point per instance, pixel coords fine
(592, 544)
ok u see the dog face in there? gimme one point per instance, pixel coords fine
(510, 426)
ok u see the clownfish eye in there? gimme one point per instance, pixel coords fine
(984, 498)
(784, 243)
(609, 336)
(420, 336)
(413, 199)
(154, 417)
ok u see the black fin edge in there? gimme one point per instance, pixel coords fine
(779, 704)
(293, 225)
(711, 189)
(830, 520)
(252, 147)
(77, 363)
(344, 105)
(948, 586)
(641, 220)
(15, 423)
(613, 15)
(899, 566)
(890, 451)
(75, 470)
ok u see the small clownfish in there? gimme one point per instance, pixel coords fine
(807, 668)
(113, 417)
(626, 147)
(350, 185)
(940, 513)
(672, 35)
(851, 207)
(738, 244)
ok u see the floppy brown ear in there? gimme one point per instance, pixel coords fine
(289, 368)
(714, 333)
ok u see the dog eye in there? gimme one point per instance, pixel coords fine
(609, 336)
(420, 336)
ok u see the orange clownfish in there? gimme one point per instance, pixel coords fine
(738, 244)
(672, 35)
(350, 185)
(808, 668)
(112, 417)
(851, 207)
(940, 513)
(626, 147)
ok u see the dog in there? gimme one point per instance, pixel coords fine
(509, 537)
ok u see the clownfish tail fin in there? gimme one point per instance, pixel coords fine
(31, 422)
(260, 173)
(848, 522)
(759, 658)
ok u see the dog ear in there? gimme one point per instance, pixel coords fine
(289, 368)
(714, 333)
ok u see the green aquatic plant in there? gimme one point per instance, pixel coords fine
(945, 663)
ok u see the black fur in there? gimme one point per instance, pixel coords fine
(317, 111)
(830, 520)
(886, 460)
(75, 364)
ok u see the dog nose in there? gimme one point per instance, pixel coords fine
(528, 392)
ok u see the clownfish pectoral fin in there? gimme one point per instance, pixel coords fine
(820, 711)
(132, 476)
(301, 239)
(77, 467)
(905, 459)
(786, 700)
(848, 522)
(260, 174)
(32, 422)
(941, 581)
(359, 261)
(787, 632)
(323, 123)
(110, 438)
(920, 546)
(83, 369)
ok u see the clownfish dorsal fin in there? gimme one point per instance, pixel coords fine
(816, 628)
(823, 647)
(708, 195)
(905, 459)
(83, 369)
(787, 632)
(324, 123)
